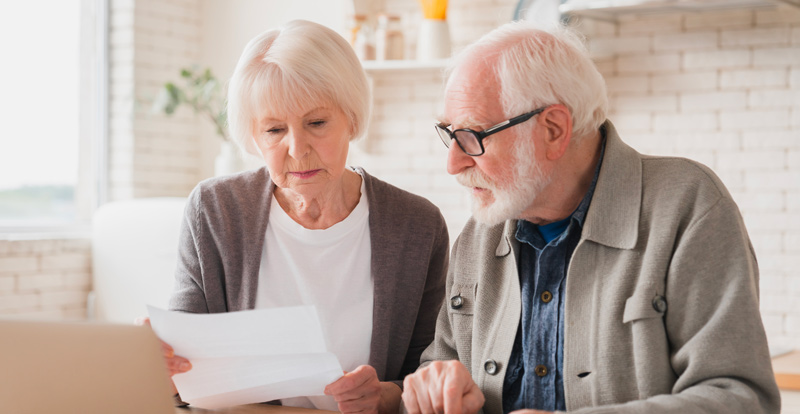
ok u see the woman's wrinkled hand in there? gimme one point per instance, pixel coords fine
(361, 391)
(175, 364)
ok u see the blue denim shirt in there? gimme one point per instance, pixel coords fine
(534, 378)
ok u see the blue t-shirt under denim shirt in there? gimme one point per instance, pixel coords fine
(534, 378)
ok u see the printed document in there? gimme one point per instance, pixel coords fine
(249, 356)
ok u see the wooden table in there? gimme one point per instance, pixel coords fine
(787, 371)
(252, 409)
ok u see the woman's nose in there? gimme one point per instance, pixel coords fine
(298, 144)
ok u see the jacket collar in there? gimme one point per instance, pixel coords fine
(613, 216)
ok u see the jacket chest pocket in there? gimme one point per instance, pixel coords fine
(461, 309)
(462, 299)
(644, 305)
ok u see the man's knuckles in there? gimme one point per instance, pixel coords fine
(453, 390)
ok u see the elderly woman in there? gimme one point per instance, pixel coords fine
(307, 229)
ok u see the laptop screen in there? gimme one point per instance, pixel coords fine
(91, 368)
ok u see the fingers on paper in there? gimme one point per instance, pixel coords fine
(178, 365)
(175, 364)
(142, 321)
(167, 350)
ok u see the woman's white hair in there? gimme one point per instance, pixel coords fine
(294, 68)
(536, 67)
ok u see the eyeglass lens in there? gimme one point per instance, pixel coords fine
(444, 135)
(469, 142)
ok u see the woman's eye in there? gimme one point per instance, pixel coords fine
(273, 131)
(317, 123)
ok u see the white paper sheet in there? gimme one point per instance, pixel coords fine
(249, 356)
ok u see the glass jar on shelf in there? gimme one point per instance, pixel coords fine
(361, 37)
(389, 41)
(354, 23)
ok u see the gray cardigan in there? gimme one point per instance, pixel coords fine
(662, 308)
(222, 239)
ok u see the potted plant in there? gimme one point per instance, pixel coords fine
(201, 91)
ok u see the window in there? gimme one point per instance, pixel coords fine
(50, 111)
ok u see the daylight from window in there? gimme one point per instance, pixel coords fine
(39, 111)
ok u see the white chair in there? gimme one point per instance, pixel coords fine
(134, 255)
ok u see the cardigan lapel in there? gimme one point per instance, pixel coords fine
(384, 279)
(254, 236)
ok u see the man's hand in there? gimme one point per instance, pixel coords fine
(442, 387)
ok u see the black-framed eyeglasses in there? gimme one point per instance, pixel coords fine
(471, 142)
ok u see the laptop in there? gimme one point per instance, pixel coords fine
(86, 368)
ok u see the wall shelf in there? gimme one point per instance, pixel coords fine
(609, 10)
(378, 66)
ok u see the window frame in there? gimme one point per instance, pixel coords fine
(92, 186)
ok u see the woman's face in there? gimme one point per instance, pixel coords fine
(305, 152)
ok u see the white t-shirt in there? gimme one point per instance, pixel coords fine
(328, 268)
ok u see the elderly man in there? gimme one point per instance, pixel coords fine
(591, 278)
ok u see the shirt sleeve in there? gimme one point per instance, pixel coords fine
(188, 294)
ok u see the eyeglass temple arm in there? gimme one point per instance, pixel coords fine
(510, 122)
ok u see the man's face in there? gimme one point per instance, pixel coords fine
(506, 179)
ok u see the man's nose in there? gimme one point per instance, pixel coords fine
(457, 159)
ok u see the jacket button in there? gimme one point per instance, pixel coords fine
(456, 302)
(660, 304)
(547, 296)
(490, 366)
(540, 370)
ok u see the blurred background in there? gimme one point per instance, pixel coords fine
(93, 171)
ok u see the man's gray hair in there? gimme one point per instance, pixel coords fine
(536, 67)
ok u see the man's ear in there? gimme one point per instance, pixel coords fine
(557, 123)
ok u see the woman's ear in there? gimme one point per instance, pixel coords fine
(556, 121)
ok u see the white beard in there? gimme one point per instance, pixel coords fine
(527, 182)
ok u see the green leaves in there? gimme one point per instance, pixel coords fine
(201, 91)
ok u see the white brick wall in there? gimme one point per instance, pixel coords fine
(149, 155)
(736, 78)
(45, 278)
(713, 59)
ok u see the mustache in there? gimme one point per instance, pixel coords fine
(474, 178)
